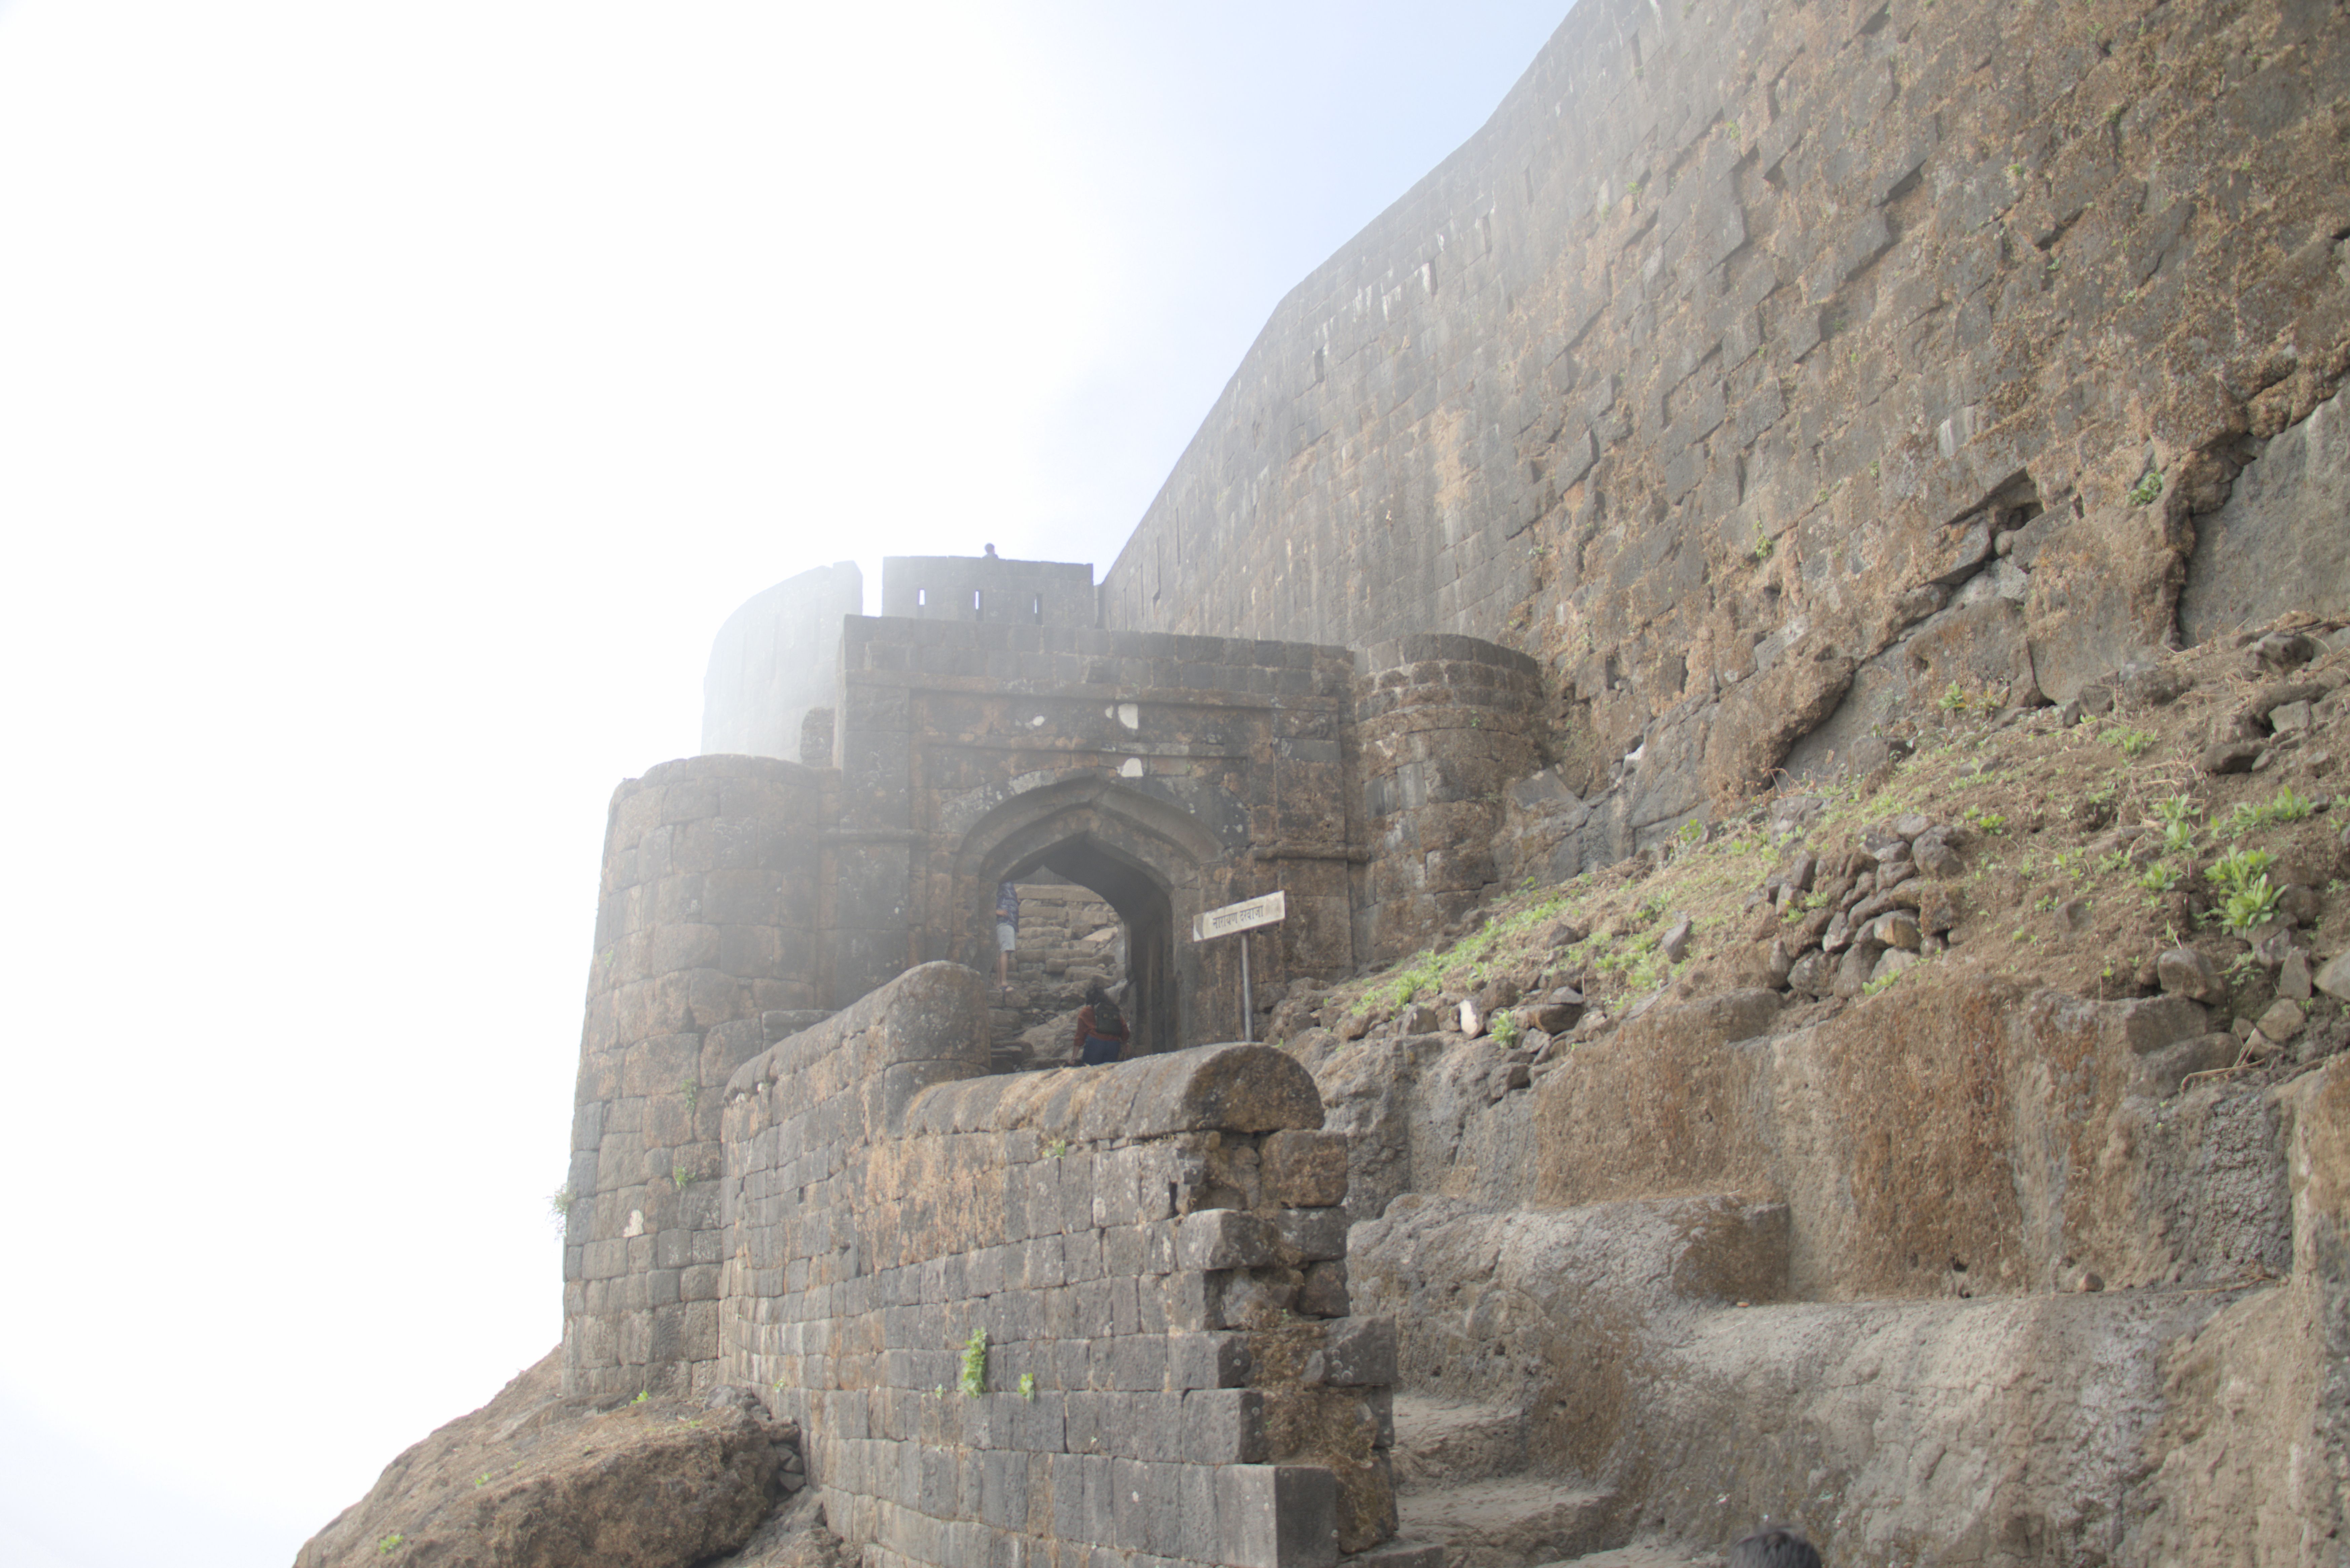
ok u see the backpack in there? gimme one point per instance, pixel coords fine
(1109, 1022)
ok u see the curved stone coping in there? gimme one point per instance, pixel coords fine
(934, 1014)
(711, 766)
(1208, 1088)
(1434, 647)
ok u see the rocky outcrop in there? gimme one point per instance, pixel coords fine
(533, 1480)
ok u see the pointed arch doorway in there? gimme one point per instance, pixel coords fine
(1148, 860)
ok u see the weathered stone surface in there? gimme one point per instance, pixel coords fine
(2333, 977)
(1305, 1170)
(2232, 756)
(2282, 1020)
(2278, 544)
(2186, 972)
(668, 1483)
(1277, 1516)
(1227, 1238)
(1360, 1353)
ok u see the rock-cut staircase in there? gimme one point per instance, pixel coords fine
(1465, 1501)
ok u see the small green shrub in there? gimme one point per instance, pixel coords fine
(2236, 869)
(973, 1380)
(2251, 817)
(2133, 742)
(2249, 906)
(2160, 878)
(2148, 490)
(1028, 1385)
(390, 1543)
(1873, 987)
(1503, 1027)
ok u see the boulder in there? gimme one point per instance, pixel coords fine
(2186, 972)
(660, 1482)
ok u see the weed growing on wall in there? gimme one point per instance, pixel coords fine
(975, 1363)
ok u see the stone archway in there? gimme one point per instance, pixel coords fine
(1149, 860)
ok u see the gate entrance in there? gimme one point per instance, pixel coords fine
(1142, 855)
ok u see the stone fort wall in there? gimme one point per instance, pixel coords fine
(1756, 367)
(1025, 1316)
(1720, 358)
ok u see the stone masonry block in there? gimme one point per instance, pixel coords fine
(1195, 1301)
(1277, 1516)
(1227, 1238)
(1223, 1427)
(1304, 1170)
(1207, 1360)
(1360, 1353)
(1313, 1235)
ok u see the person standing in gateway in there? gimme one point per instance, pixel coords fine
(1008, 933)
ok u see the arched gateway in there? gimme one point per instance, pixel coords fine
(745, 898)
(1148, 857)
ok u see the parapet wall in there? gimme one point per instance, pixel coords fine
(1720, 356)
(1152, 1253)
(988, 588)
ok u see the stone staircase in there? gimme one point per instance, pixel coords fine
(1464, 1501)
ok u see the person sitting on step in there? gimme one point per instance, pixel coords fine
(1101, 1028)
(1773, 1549)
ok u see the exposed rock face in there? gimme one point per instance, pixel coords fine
(533, 1480)
(1952, 1275)
(2279, 543)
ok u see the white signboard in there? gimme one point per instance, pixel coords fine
(1244, 916)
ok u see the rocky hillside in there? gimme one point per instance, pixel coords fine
(1980, 1106)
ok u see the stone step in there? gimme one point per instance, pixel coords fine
(1397, 1554)
(1439, 1442)
(1639, 1557)
(1518, 1522)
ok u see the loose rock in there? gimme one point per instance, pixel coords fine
(2230, 756)
(2292, 977)
(1677, 941)
(2185, 971)
(2333, 977)
(2283, 1021)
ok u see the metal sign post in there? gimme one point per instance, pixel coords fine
(1236, 919)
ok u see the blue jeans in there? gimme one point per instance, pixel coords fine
(1101, 1049)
